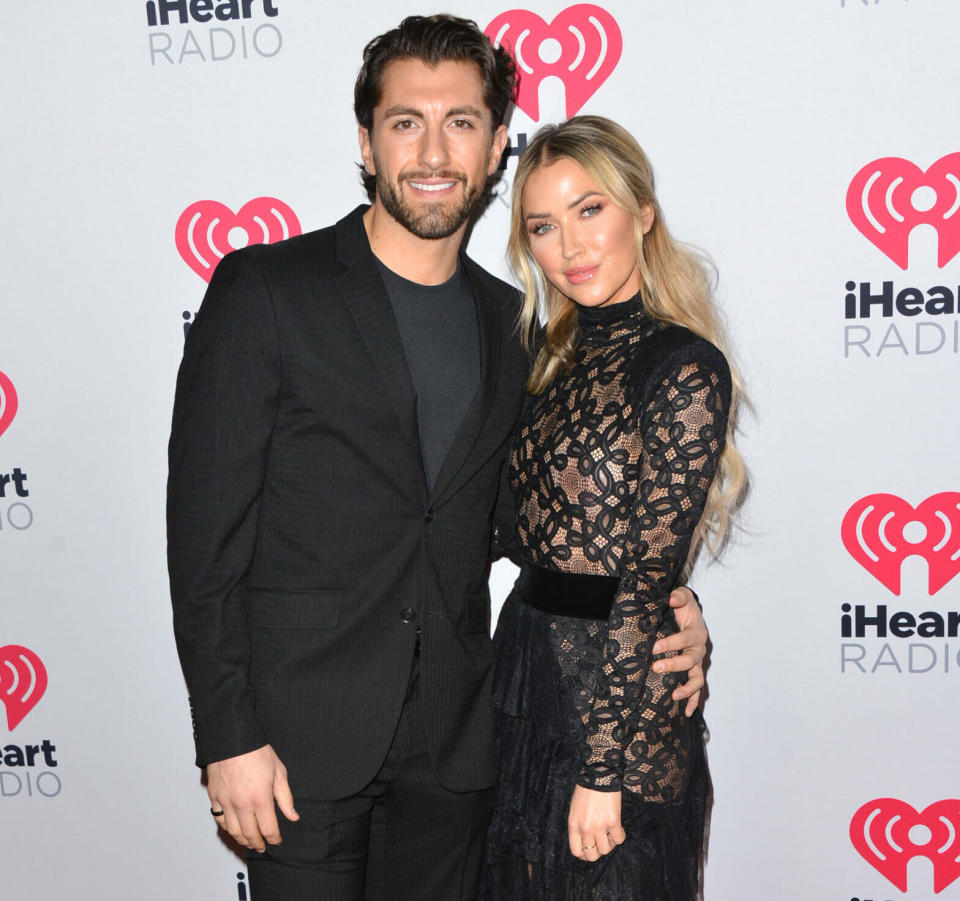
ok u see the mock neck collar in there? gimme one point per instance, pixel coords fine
(592, 319)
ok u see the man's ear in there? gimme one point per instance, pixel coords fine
(497, 147)
(366, 152)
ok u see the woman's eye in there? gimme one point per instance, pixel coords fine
(540, 228)
(591, 210)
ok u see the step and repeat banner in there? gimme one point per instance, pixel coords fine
(810, 146)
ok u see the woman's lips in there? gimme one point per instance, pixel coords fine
(580, 274)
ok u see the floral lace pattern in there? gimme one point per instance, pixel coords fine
(609, 475)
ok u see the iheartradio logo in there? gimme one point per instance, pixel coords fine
(23, 680)
(889, 197)
(889, 833)
(581, 47)
(208, 230)
(8, 402)
(881, 530)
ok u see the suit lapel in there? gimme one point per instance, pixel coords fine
(453, 473)
(366, 298)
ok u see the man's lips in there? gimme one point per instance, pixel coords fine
(432, 185)
(580, 274)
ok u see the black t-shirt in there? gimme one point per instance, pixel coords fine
(441, 344)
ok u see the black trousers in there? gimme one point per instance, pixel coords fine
(403, 838)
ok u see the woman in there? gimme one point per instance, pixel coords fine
(623, 464)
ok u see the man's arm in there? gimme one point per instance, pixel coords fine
(223, 418)
(690, 643)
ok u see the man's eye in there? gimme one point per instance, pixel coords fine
(404, 124)
(462, 123)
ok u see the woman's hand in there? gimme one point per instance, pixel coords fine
(593, 825)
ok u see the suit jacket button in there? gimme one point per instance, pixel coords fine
(407, 615)
(429, 517)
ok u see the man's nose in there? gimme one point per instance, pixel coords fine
(434, 153)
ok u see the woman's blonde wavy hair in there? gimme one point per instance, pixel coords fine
(677, 283)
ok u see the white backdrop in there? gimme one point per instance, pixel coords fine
(757, 116)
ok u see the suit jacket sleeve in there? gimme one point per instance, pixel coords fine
(224, 412)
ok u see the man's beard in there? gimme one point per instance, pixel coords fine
(437, 220)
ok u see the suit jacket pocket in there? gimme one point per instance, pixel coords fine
(285, 608)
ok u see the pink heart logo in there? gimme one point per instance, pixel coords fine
(889, 197)
(8, 402)
(881, 530)
(888, 834)
(208, 230)
(581, 47)
(23, 680)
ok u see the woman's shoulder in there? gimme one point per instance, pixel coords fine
(672, 346)
(675, 358)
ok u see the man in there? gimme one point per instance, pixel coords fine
(342, 412)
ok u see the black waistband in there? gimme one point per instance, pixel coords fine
(567, 594)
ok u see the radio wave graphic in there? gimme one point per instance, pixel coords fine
(889, 833)
(8, 402)
(889, 197)
(23, 680)
(208, 230)
(581, 47)
(881, 530)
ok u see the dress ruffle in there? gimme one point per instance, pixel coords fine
(527, 854)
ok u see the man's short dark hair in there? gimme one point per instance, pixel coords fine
(433, 40)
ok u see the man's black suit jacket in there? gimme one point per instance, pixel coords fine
(303, 542)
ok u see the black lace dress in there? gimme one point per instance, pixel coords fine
(609, 475)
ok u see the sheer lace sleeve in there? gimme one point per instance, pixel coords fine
(683, 414)
(504, 541)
